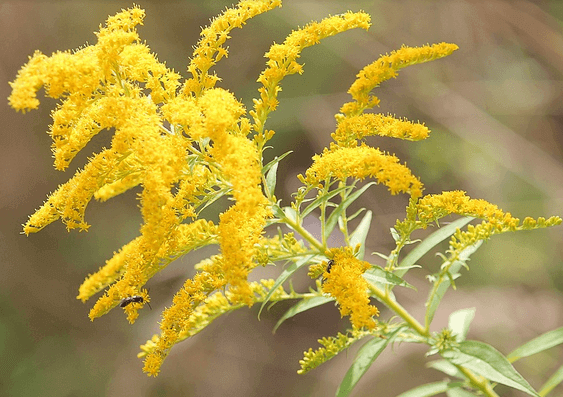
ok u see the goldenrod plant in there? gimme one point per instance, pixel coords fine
(187, 143)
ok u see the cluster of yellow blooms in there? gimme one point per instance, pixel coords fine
(186, 143)
(346, 283)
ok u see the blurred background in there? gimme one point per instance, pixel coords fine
(496, 115)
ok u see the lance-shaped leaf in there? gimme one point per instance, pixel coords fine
(275, 161)
(430, 242)
(301, 306)
(430, 389)
(339, 210)
(539, 344)
(459, 322)
(271, 178)
(446, 367)
(359, 235)
(323, 198)
(284, 276)
(441, 285)
(378, 276)
(364, 359)
(485, 360)
(553, 381)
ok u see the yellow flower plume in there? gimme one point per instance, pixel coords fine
(385, 68)
(209, 50)
(282, 61)
(345, 283)
(362, 162)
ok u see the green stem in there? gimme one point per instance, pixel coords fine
(399, 310)
(481, 384)
(304, 233)
(323, 223)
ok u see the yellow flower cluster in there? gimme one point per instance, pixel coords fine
(346, 284)
(119, 84)
(436, 206)
(331, 347)
(361, 162)
(433, 207)
(209, 50)
(282, 61)
(183, 320)
(463, 239)
(350, 129)
(385, 68)
(346, 157)
(183, 143)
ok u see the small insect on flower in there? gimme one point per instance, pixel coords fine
(328, 266)
(133, 299)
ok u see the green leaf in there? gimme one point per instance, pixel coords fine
(427, 390)
(553, 381)
(213, 196)
(277, 211)
(438, 291)
(339, 210)
(397, 268)
(395, 234)
(359, 235)
(383, 256)
(275, 161)
(468, 251)
(284, 276)
(539, 344)
(364, 359)
(301, 306)
(290, 214)
(410, 336)
(319, 200)
(446, 367)
(459, 392)
(430, 242)
(271, 179)
(485, 360)
(459, 322)
(355, 214)
(377, 275)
